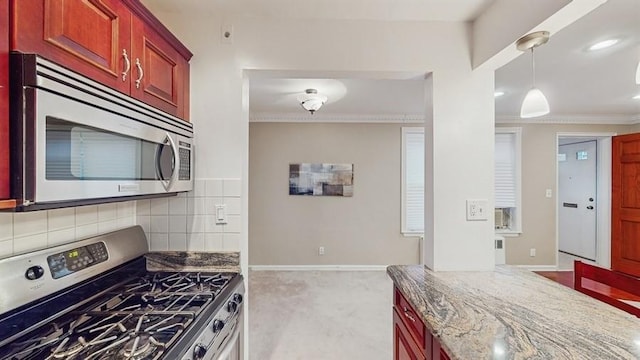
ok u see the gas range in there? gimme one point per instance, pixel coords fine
(114, 308)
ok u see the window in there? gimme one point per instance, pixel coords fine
(507, 180)
(412, 180)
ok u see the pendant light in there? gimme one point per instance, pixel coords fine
(535, 103)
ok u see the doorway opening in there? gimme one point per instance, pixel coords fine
(583, 212)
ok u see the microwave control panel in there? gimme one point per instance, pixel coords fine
(71, 261)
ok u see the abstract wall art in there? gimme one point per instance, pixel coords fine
(321, 179)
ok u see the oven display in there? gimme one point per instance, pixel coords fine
(68, 262)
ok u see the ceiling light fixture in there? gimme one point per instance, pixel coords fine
(498, 93)
(603, 44)
(535, 103)
(311, 100)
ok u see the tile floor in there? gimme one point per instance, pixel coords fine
(320, 315)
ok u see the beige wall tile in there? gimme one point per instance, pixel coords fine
(29, 223)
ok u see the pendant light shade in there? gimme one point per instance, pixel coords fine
(535, 104)
(638, 74)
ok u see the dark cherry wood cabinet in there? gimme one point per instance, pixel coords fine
(4, 106)
(404, 346)
(411, 338)
(118, 43)
(92, 37)
(159, 71)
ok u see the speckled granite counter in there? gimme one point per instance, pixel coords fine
(193, 261)
(515, 314)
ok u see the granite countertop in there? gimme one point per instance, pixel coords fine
(512, 313)
(193, 261)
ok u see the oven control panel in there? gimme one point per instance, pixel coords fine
(71, 261)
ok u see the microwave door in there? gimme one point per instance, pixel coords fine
(166, 162)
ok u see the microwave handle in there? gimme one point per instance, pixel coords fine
(169, 184)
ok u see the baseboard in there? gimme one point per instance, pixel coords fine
(540, 267)
(318, 267)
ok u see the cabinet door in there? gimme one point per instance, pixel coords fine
(91, 37)
(4, 99)
(159, 72)
(404, 347)
(438, 352)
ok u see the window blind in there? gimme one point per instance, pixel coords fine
(505, 170)
(414, 180)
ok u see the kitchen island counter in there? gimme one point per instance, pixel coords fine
(512, 313)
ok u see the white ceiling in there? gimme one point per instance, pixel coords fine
(577, 81)
(381, 10)
(363, 97)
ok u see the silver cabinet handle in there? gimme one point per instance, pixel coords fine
(140, 73)
(408, 315)
(127, 65)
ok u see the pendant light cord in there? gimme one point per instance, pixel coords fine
(533, 68)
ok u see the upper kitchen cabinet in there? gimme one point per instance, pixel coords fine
(4, 106)
(160, 72)
(117, 43)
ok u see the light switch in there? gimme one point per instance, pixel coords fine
(477, 210)
(548, 193)
(221, 214)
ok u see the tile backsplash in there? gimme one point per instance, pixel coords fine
(29, 231)
(187, 222)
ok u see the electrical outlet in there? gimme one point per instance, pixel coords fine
(532, 252)
(321, 250)
(477, 209)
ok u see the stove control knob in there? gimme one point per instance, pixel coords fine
(237, 298)
(232, 306)
(199, 351)
(34, 272)
(217, 325)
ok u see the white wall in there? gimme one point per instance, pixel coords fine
(219, 111)
(30, 231)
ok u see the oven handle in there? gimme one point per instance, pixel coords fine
(224, 354)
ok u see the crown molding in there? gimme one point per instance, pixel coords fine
(336, 118)
(586, 119)
(606, 119)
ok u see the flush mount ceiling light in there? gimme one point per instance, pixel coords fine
(535, 103)
(603, 44)
(311, 100)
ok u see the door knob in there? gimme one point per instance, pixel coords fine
(590, 207)
(591, 199)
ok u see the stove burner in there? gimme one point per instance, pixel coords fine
(139, 320)
(139, 347)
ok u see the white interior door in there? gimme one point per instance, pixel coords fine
(577, 176)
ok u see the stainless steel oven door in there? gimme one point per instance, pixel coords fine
(84, 151)
(232, 349)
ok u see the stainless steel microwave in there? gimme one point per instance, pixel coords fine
(75, 141)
